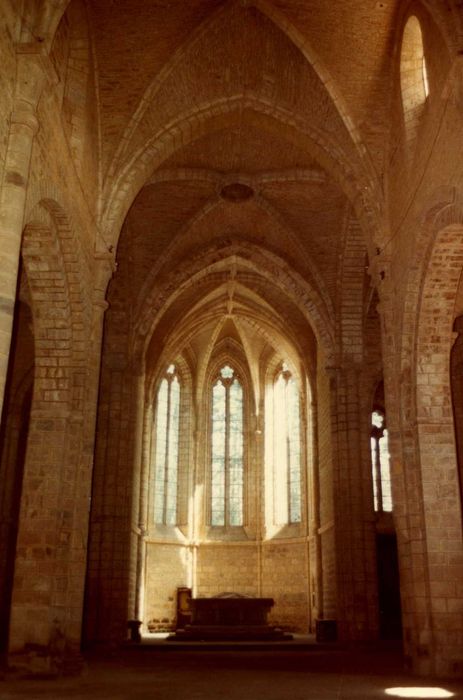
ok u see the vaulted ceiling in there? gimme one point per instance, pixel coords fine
(241, 130)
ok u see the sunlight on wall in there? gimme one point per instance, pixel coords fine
(414, 692)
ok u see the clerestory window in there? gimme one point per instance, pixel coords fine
(380, 463)
(166, 455)
(413, 77)
(227, 450)
(286, 448)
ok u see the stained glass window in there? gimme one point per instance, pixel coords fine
(227, 450)
(167, 448)
(287, 448)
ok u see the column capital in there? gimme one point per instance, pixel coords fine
(24, 114)
(106, 258)
(101, 304)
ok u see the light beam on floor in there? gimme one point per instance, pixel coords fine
(415, 692)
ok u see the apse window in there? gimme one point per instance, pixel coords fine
(286, 448)
(380, 461)
(413, 76)
(227, 450)
(166, 455)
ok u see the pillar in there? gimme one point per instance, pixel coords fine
(354, 526)
(31, 74)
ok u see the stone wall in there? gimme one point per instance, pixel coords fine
(285, 579)
(273, 569)
(168, 567)
(227, 567)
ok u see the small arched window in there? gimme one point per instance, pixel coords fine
(227, 450)
(286, 448)
(380, 463)
(166, 455)
(413, 76)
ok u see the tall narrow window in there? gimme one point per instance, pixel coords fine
(287, 448)
(413, 77)
(227, 449)
(380, 463)
(166, 448)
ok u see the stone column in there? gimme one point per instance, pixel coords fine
(52, 543)
(314, 522)
(83, 477)
(136, 533)
(143, 510)
(405, 478)
(31, 74)
(355, 556)
(456, 378)
(45, 526)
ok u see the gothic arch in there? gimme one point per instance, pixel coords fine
(305, 298)
(435, 339)
(56, 273)
(169, 253)
(291, 33)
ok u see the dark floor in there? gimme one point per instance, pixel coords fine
(294, 674)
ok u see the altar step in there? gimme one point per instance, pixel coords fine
(229, 633)
(298, 642)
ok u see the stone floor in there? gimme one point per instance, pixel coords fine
(235, 675)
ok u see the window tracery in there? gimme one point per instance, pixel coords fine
(227, 450)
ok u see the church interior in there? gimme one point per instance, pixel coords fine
(231, 315)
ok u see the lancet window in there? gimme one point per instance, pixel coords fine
(166, 448)
(227, 450)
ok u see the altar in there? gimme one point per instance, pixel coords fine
(230, 616)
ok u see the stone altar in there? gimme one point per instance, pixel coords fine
(230, 616)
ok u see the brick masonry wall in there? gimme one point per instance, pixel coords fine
(168, 566)
(275, 569)
(285, 579)
(227, 567)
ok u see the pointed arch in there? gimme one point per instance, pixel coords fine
(303, 296)
(164, 259)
